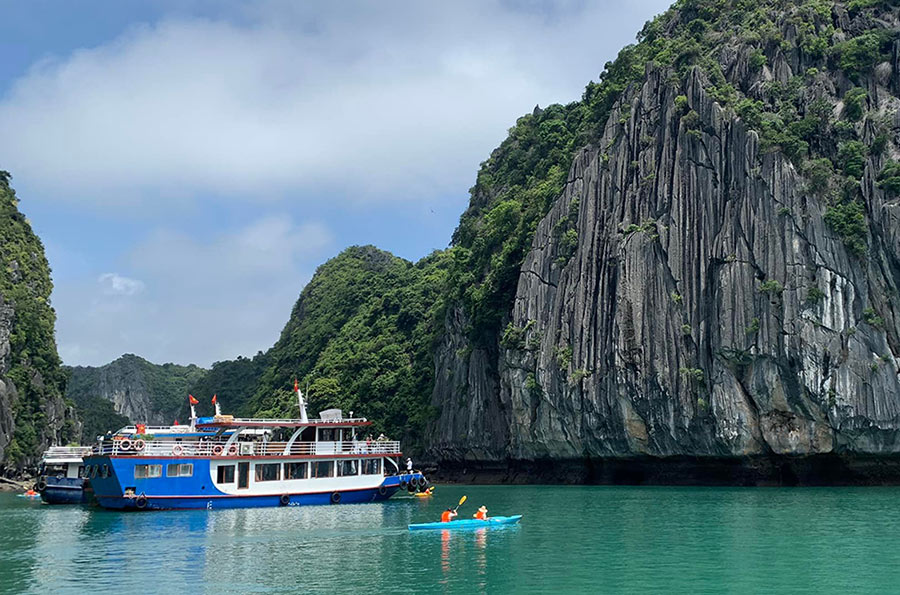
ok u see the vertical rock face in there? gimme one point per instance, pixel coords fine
(33, 413)
(708, 310)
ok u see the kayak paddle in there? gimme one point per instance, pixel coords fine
(461, 500)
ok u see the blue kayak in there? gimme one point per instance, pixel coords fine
(495, 521)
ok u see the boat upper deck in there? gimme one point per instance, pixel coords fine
(228, 422)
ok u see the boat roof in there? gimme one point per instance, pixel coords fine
(65, 454)
(227, 421)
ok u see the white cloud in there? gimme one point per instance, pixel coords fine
(357, 101)
(203, 299)
(115, 284)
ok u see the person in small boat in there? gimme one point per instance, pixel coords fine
(448, 515)
(481, 514)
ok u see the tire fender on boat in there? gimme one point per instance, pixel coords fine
(41, 485)
(336, 498)
(382, 490)
(141, 502)
(403, 484)
(423, 483)
(177, 450)
(285, 499)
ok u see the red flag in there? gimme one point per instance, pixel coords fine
(214, 399)
(296, 385)
(176, 423)
(192, 400)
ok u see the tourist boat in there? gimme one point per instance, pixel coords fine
(61, 477)
(229, 462)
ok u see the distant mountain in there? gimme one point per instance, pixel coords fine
(129, 389)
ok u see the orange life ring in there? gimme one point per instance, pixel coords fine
(177, 450)
(125, 444)
(232, 450)
(139, 444)
(217, 449)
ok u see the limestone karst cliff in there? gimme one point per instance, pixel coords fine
(719, 276)
(33, 413)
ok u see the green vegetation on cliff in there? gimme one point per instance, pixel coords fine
(360, 337)
(32, 364)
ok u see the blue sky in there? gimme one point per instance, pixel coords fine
(189, 164)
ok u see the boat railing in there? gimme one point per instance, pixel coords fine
(220, 448)
(238, 421)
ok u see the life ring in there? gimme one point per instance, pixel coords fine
(41, 485)
(336, 498)
(232, 450)
(403, 484)
(125, 444)
(382, 491)
(285, 499)
(141, 502)
(139, 445)
(217, 450)
(177, 450)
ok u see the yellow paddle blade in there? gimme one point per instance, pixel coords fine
(461, 500)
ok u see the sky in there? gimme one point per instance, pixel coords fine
(188, 164)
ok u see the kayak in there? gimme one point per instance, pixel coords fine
(495, 521)
(423, 495)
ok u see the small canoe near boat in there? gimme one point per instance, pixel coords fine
(423, 495)
(31, 495)
(497, 521)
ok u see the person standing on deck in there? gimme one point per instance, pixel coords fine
(409, 465)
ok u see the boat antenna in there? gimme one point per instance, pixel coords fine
(300, 402)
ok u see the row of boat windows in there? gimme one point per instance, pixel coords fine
(304, 470)
(172, 470)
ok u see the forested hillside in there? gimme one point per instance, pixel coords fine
(33, 413)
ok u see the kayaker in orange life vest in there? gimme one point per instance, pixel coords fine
(448, 515)
(481, 515)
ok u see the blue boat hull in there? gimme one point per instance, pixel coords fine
(497, 521)
(65, 491)
(197, 492)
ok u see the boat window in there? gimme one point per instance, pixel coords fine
(104, 471)
(348, 467)
(328, 435)
(225, 474)
(81, 471)
(243, 475)
(179, 470)
(268, 471)
(146, 471)
(295, 470)
(86, 473)
(371, 466)
(94, 471)
(323, 469)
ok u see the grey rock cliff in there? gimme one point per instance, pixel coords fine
(708, 310)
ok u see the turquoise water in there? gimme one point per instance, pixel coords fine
(572, 539)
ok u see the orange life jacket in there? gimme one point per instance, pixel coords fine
(480, 515)
(445, 516)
